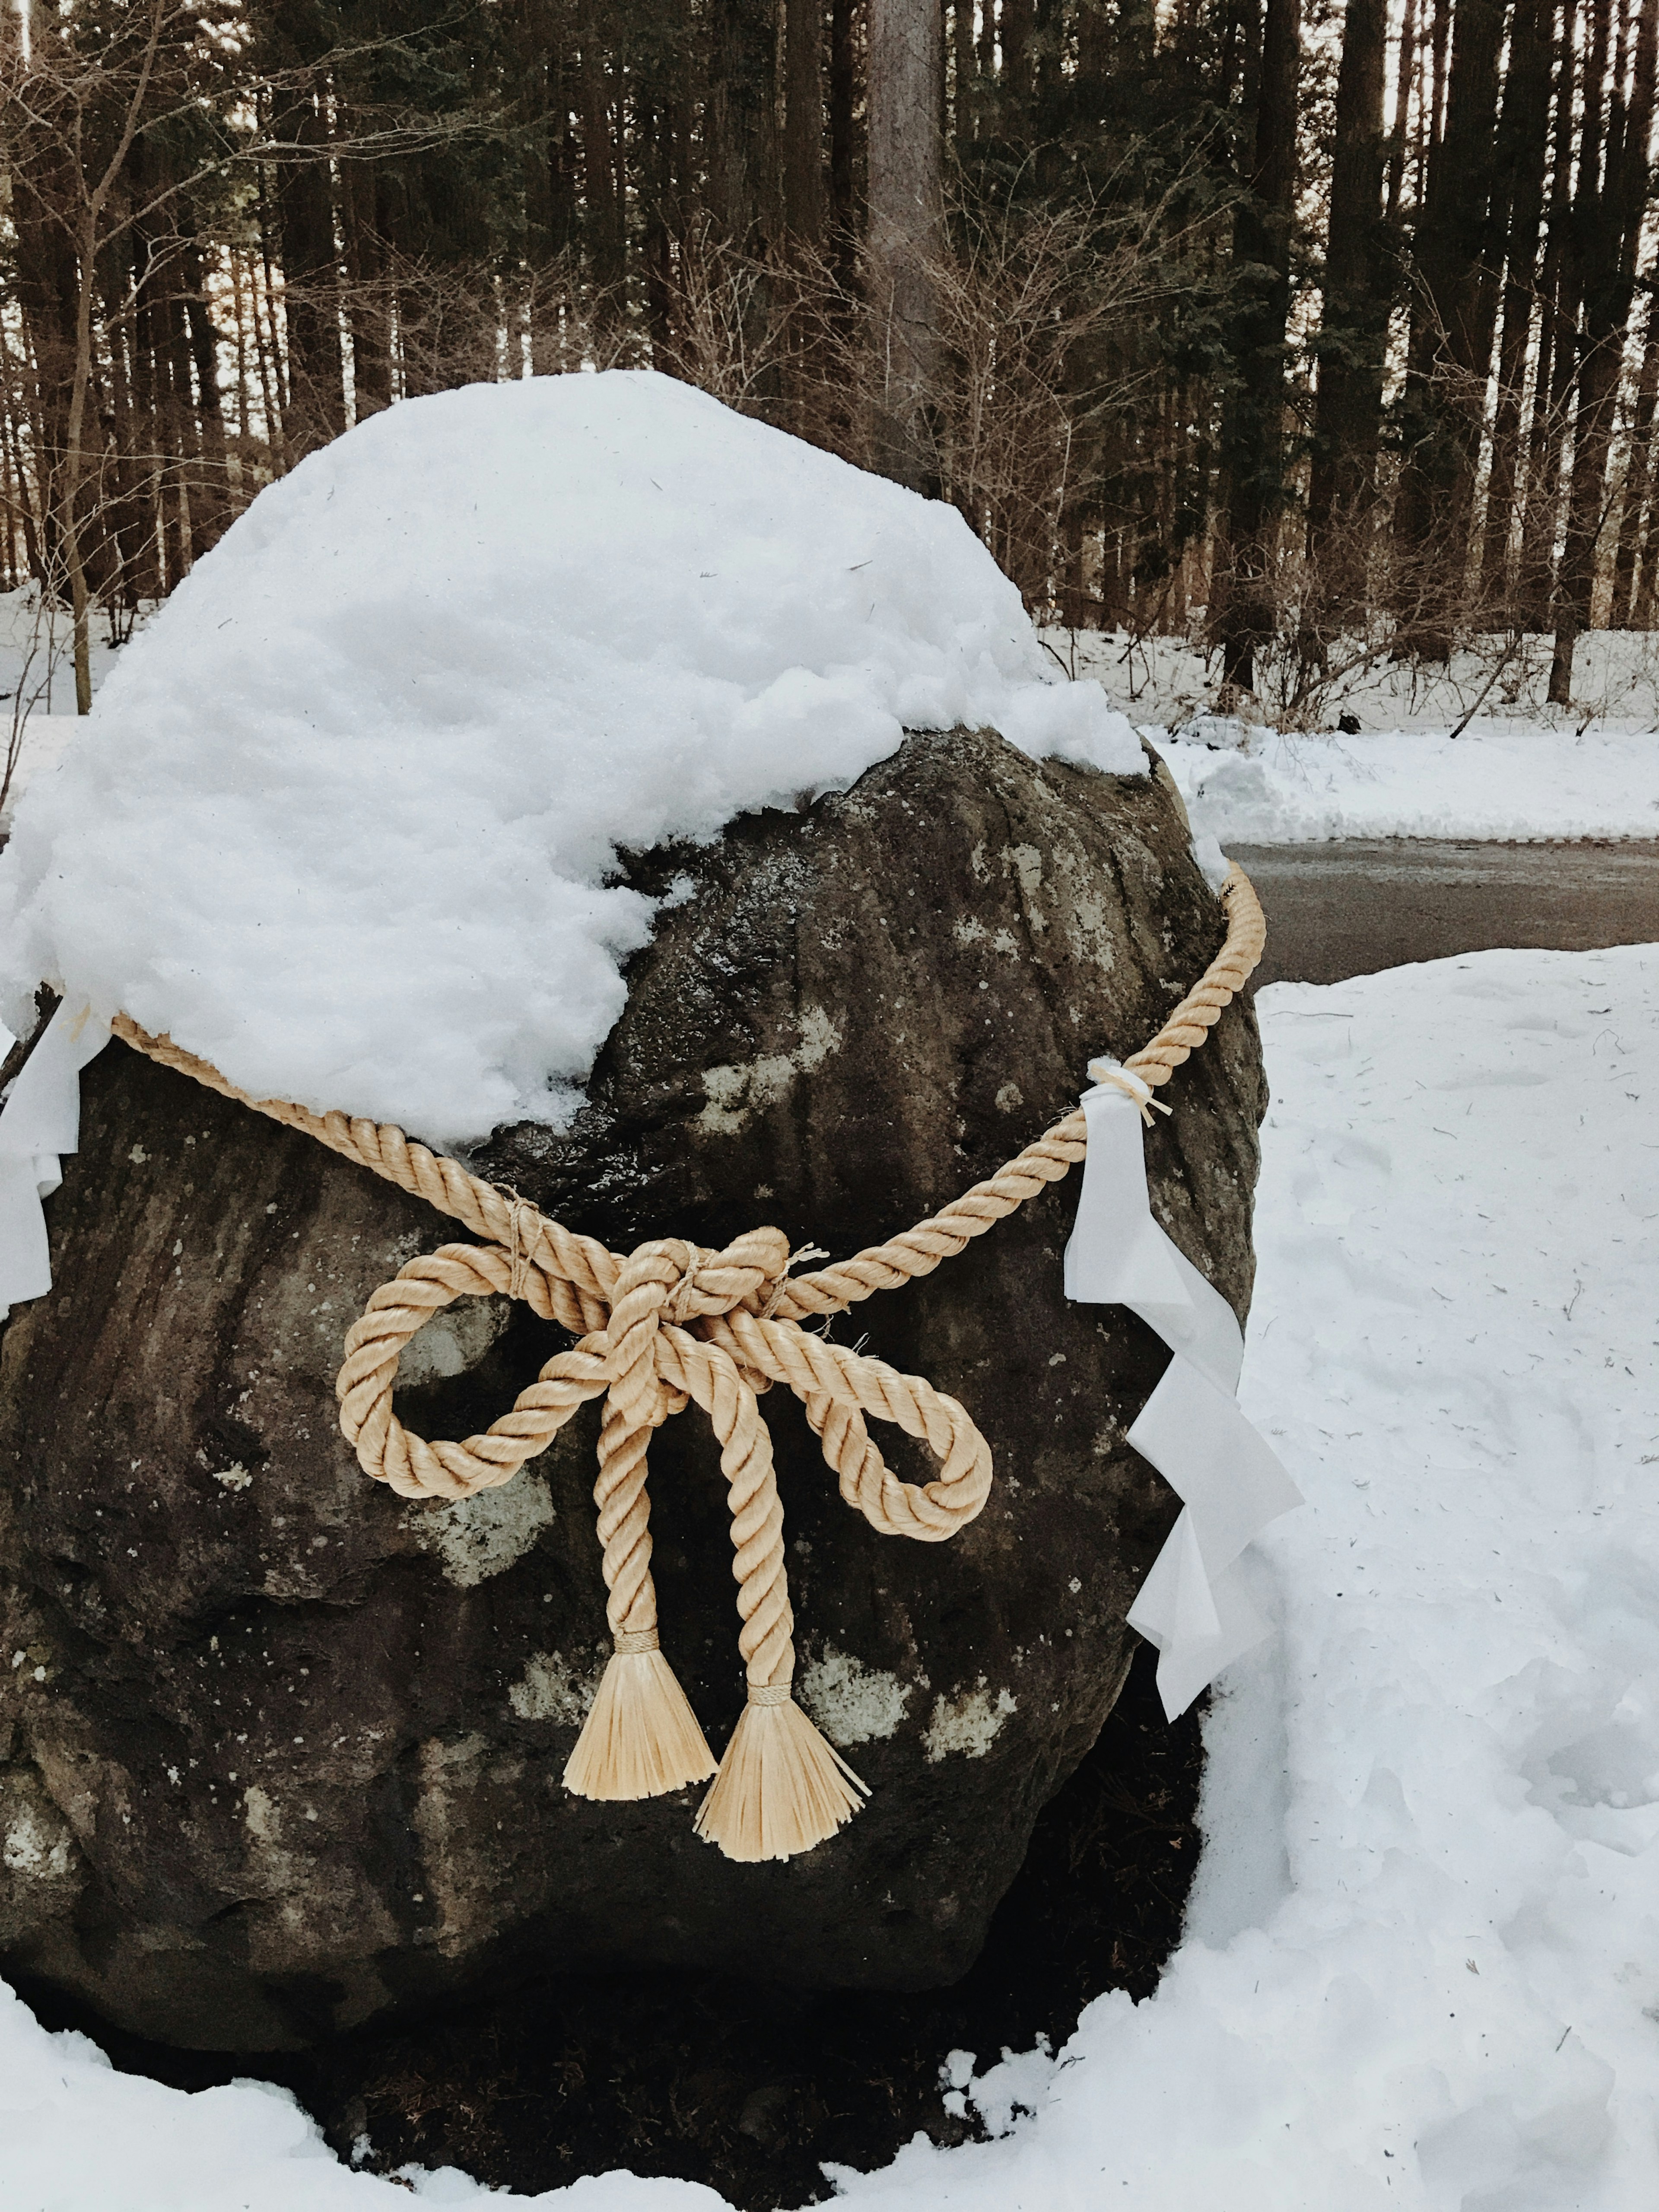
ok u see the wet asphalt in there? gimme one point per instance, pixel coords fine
(1351, 908)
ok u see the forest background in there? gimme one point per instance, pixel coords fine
(1306, 331)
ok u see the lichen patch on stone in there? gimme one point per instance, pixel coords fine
(35, 1842)
(453, 1341)
(850, 1702)
(481, 1536)
(968, 1723)
(552, 1688)
(735, 1093)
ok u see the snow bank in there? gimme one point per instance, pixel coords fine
(1514, 783)
(343, 816)
(1422, 1969)
(77, 2136)
(1500, 682)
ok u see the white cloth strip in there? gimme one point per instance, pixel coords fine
(1230, 1484)
(39, 1123)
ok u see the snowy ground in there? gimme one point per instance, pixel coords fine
(1287, 774)
(1491, 783)
(1422, 1964)
(1500, 680)
(37, 687)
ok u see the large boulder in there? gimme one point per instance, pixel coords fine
(281, 1751)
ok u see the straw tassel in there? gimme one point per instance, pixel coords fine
(781, 1788)
(641, 1738)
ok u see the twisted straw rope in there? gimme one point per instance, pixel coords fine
(672, 1323)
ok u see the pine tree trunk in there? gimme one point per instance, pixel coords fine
(1638, 483)
(844, 24)
(212, 503)
(906, 229)
(803, 167)
(1611, 204)
(1354, 320)
(604, 229)
(964, 74)
(1452, 340)
(1522, 153)
(740, 121)
(316, 370)
(1254, 433)
(1553, 369)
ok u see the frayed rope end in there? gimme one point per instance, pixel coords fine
(781, 1788)
(641, 1738)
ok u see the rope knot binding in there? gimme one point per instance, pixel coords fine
(681, 1327)
(671, 1323)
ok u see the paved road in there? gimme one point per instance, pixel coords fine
(1351, 908)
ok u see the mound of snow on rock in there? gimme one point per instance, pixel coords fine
(343, 819)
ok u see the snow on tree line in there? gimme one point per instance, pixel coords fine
(1307, 332)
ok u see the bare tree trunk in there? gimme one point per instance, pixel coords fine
(1523, 151)
(803, 167)
(962, 74)
(599, 157)
(1555, 366)
(213, 517)
(1405, 81)
(1452, 339)
(1354, 319)
(316, 368)
(1015, 27)
(906, 229)
(1255, 435)
(1639, 481)
(740, 121)
(1612, 204)
(844, 24)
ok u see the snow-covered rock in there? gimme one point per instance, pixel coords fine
(294, 1753)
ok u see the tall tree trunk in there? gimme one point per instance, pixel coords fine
(1014, 26)
(368, 296)
(1354, 319)
(316, 369)
(1556, 364)
(1254, 433)
(1452, 348)
(803, 167)
(740, 122)
(963, 77)
(906, 229)
(1639, 481)
(843, 106)
(1609, 210)
(211, 502)
(1523, 140)
(1404, 84)
(604, 228)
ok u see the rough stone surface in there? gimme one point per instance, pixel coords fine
(279, 1752)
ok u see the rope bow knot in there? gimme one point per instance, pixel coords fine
(682, 1324)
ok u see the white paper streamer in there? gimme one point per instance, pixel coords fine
(39, 1123)
(1230, 1484)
